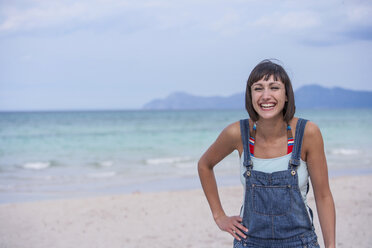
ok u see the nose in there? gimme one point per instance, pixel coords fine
(266, 94)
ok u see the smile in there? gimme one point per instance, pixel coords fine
(267, 106)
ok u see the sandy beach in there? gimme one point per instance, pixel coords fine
(163, 219)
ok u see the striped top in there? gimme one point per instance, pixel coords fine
(252, 139)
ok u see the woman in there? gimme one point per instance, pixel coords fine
(275, 166)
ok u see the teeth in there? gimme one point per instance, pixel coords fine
(269, 105)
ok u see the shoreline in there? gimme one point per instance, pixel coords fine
(171, 184)
(164, 219)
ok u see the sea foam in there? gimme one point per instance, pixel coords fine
(343, 151)
(167, 160)
(36, 165)
(106, 163)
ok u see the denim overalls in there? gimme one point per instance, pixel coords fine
(274, 211)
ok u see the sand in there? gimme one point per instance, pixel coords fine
(163, 219)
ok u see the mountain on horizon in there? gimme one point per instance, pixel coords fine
(308, 96)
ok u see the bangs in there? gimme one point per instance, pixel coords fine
(265, 72)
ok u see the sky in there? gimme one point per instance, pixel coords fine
(120, 54)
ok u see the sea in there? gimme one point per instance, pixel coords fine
(66, 154)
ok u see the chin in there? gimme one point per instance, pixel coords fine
(268, 116)
(265, 117)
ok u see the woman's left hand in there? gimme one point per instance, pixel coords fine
(232, 225)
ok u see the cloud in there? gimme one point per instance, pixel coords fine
(55, 14)
(359, 33)
(359, 14)
(359, 22)
(321, 22)
(228, 24)
(288, 22)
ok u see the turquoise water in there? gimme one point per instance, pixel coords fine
(59, 154)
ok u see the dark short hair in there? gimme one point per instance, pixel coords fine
(264, 70)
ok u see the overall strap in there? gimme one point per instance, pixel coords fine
(244, 130)
(296, 153)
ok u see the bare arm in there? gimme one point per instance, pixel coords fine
(227, 142)
(317, 166)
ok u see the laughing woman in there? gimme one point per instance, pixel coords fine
(279, 152)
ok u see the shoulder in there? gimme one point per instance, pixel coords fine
(230, 137)
(313, 140)
(232, 130)
(311, 130)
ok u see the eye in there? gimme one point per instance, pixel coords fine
(275, 88)
(257, 88)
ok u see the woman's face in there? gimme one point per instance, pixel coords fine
(268, 98)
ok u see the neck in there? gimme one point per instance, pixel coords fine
(269, 129)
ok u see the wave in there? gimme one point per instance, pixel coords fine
(36, 165)
(106, 163)
(343, 151)
(100, 164)
(167, 160)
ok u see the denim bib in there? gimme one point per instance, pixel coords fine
(274, 211)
